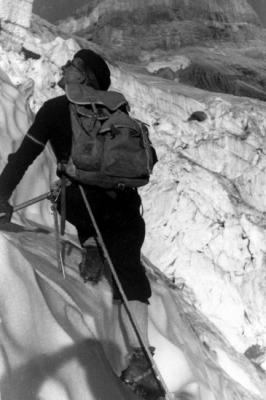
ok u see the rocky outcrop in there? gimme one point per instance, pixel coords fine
(15, 17)
(223, 41)
(157, 23)
(53, 11)
(260, 7)
(228, 70)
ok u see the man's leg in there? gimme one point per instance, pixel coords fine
(76, 213)
(124, 237)
(139, 310)
(139, 373)
(92, 263)
(123, 231)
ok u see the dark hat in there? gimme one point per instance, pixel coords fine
(98, 66)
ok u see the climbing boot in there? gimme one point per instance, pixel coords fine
(140, 377)
(92, 264)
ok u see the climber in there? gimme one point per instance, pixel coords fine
(117, 210)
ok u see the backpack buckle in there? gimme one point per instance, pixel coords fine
(121, 186)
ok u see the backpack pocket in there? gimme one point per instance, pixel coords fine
(87, 144)
(124, 152)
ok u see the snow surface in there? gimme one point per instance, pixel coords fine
(203, 208)
(62, 339)
(175, 63)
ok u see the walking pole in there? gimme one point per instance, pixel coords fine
(49, 196)
(63, 206)
(63, 215)
(125, 300)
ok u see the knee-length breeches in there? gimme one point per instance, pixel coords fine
(117, 213)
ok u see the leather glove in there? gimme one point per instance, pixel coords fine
(6, 211)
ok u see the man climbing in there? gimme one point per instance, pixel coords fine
(116, 209)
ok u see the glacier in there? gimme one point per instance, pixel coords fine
(204, 249)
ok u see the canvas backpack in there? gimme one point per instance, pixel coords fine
(109, 148)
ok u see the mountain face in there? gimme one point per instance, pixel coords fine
(165, 24)
(62, 9)
(222, 41)
(53, 11)
(128, 28)
(260, 7)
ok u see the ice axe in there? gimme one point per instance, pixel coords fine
(28, 203)
(52, 196)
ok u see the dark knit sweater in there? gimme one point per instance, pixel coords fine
(52, 123)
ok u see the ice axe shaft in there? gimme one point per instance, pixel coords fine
(32, 201)
(49, 196)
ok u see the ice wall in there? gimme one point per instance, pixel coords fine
(15, 17)
(203, 230)
(205, 205)
(16, 117)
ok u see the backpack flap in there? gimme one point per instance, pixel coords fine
(86, 95)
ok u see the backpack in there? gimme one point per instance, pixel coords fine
(109, 148)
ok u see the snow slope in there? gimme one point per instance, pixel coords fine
(61, 338)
